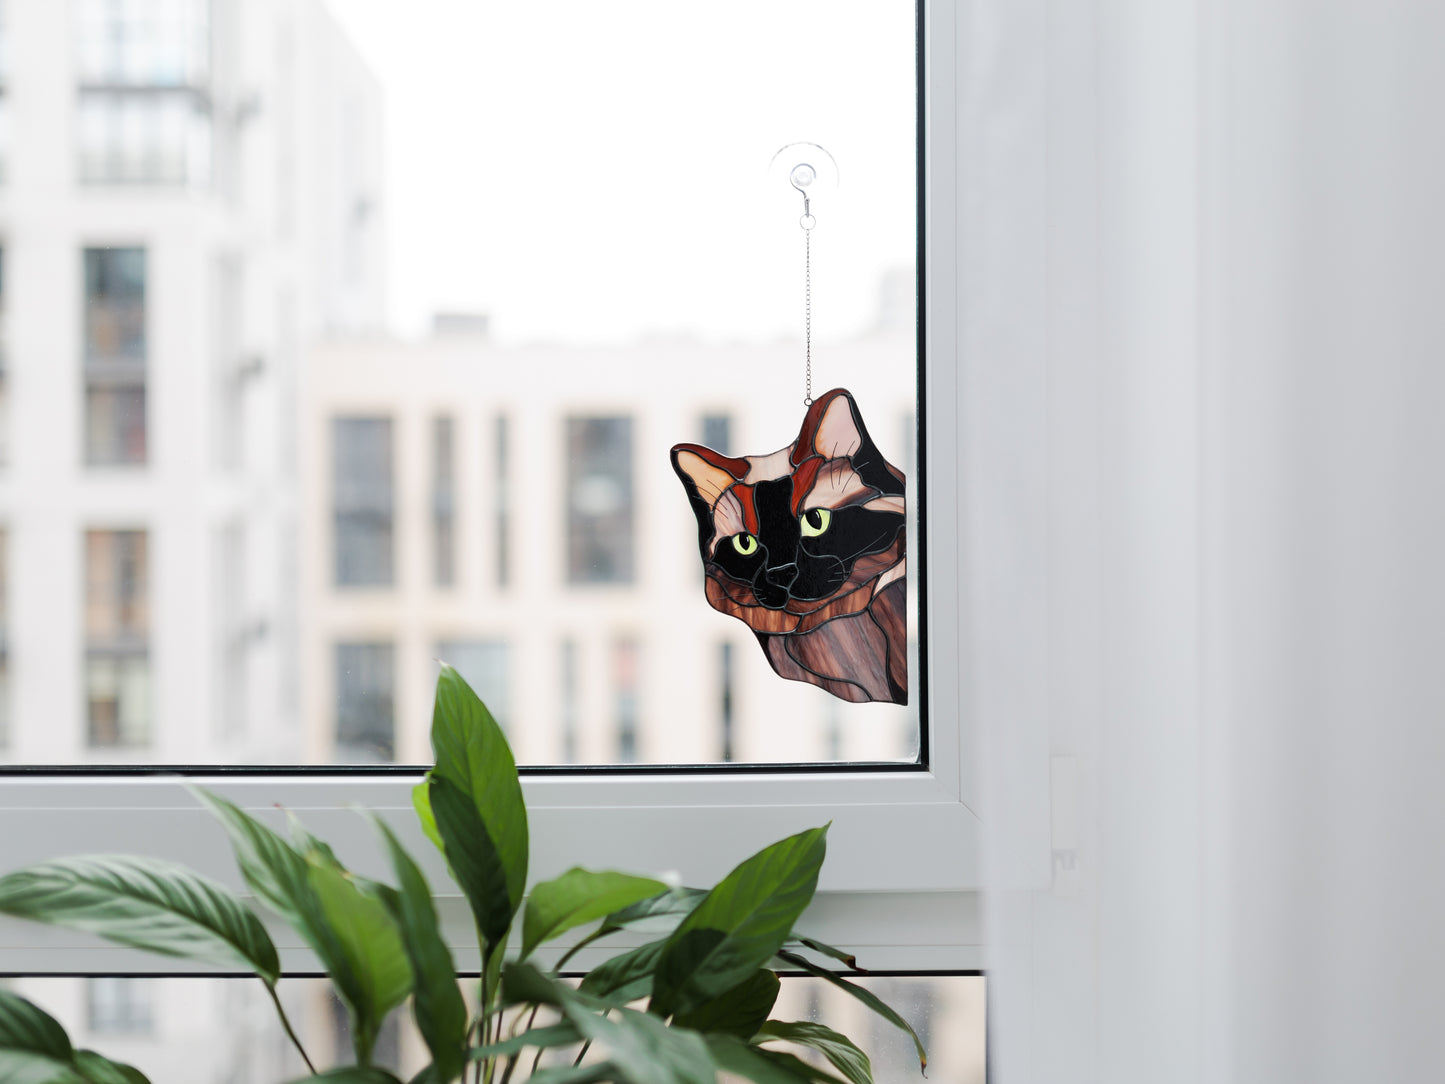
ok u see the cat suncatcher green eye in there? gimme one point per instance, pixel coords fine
(745, 544)
(815, 521)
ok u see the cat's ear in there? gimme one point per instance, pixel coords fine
(706, 475)
(833, 428)
(706, 472)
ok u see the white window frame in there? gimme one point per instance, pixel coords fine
(904, 868)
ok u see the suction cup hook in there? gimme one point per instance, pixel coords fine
(809, 169)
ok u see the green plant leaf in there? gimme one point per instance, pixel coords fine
(847, 959)
(33, 1045)
(867, 997)
(352, 1074)
(577, 897)
(675, 904)
(739, 1011)
(543, 1037)
(644, 1049)
(627, 976)
(351, 933)
(441, 1014)
(147, 904)
(840, 1050)
(376, 976)
(96, 1069)
(732, 1055)
(476, 799)
(421, 802)
(473, 860)
(270, 866)
(741, 923)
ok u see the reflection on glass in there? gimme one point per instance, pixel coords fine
(362, 501)
(366, 707)
(117, 637)
(224, 1031)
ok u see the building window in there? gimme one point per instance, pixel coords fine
(624, 685)
(726, 673)
(504, 501)
(366, 709)
(4, 639)
(599, 500)
(117, 638)
(717, 432)
(4, 357)
(115, 356)
(443, 503)
(362, 499)
(567, 722)
(144, 109)
(120, 1006)
(483, 664)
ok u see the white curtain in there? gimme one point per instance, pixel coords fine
(1202, 308)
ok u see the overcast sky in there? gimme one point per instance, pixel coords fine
(589, 172)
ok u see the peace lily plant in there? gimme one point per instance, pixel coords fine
(695, 1000)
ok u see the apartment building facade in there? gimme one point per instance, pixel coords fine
(513, 511)
(191, 194)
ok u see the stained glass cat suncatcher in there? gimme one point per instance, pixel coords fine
(806, 547)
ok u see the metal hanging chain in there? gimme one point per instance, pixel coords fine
(808, 312)
(807, 222)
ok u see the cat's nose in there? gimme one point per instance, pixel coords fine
(782, 575)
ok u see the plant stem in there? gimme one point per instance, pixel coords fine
(285, 1023)
(593, 936)
(536, 1061)
(588, 1044)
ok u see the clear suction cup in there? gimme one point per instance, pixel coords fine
(803, 170)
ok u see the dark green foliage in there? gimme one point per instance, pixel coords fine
(707, 970)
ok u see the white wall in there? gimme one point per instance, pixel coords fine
(1224, 279)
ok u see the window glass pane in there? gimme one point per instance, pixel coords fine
(366, 708)
(362, 498)
(378, 354)
(115, 356)
(444, 526)
(117, 638)
(599, 500)
(220, 1031)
